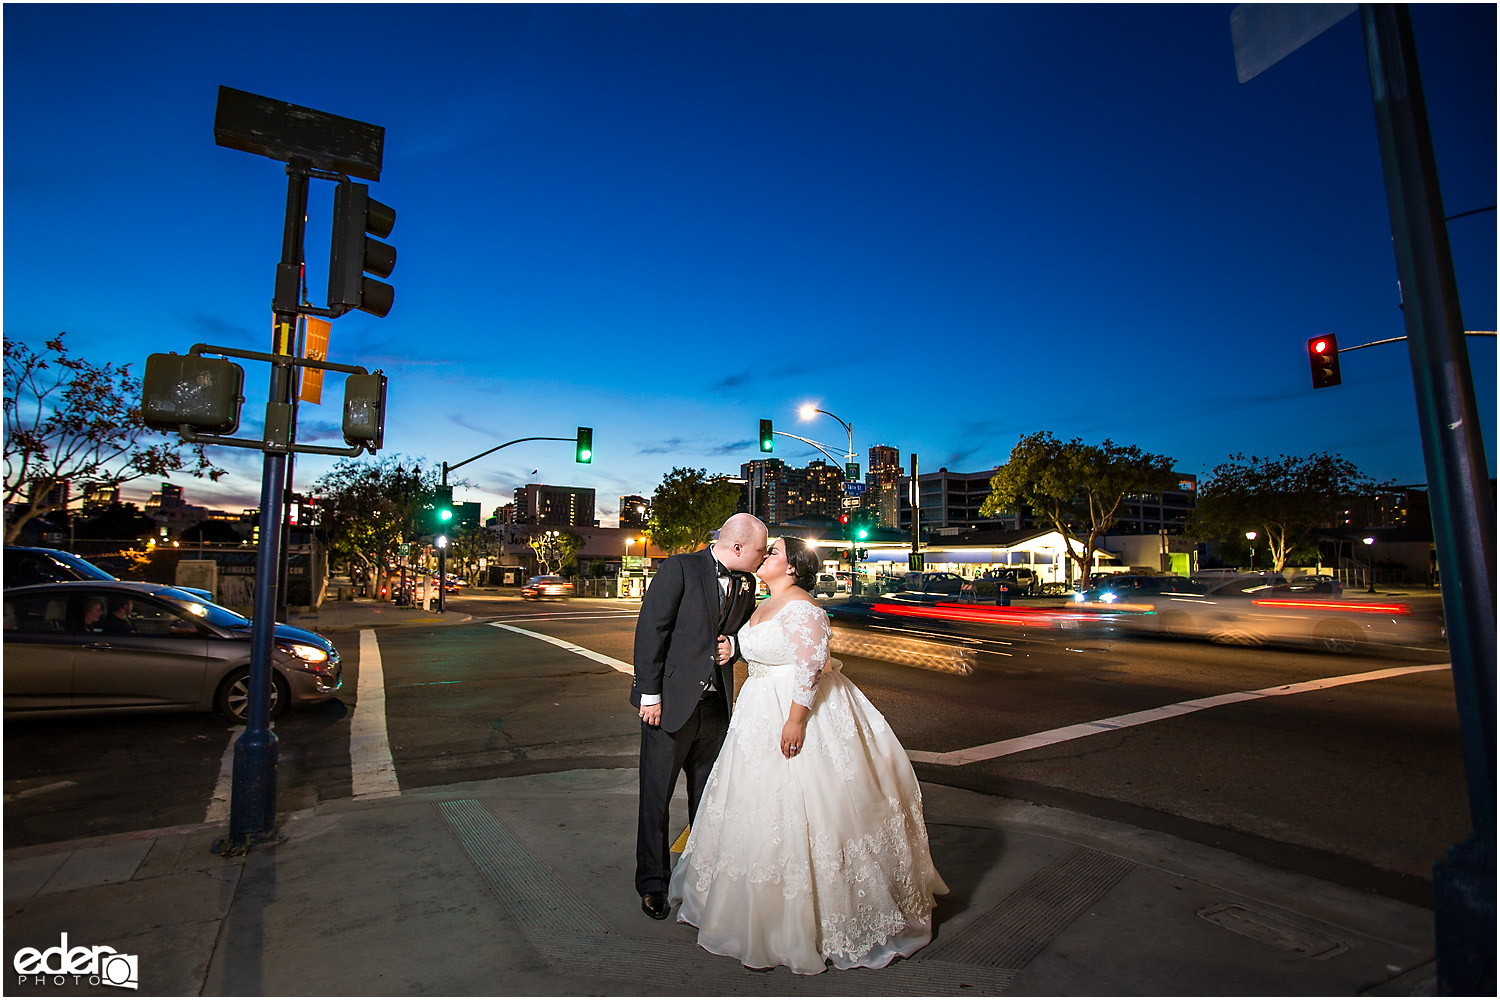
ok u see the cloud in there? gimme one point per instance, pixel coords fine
(667, 447)
(749, 375)
(734, 447)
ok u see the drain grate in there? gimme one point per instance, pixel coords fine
(1022, 924)
(1274, 931)
(533, 893)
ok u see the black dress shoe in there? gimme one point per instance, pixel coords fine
(655, 905)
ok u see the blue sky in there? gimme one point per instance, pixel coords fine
(950, 226)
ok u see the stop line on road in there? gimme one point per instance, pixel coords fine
(608, 661)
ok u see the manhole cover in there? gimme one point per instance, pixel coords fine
(1271, 930)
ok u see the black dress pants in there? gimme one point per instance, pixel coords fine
(692, 749)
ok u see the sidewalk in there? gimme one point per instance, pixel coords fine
(523, 886)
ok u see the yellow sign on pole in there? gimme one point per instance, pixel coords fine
(317, 350)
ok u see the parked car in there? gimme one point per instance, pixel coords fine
(826, 583)
(26, 565)
(929, 583)
(108, 646)
(1022, 582)
(539, 587)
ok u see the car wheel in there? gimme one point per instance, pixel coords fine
(1173, 625)
(1338, 637)
(233, 699)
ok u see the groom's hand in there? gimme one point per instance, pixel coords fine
(651, 714)
(726, 650)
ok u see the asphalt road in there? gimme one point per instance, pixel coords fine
(1360, 783)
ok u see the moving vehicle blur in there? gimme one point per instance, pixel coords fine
(1258, 610)
(540, 587)
(96, 646)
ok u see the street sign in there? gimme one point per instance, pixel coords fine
(406, 548)
(854, 489)
(851, 471)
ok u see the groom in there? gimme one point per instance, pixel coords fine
(684, 683)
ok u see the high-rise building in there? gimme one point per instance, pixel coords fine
(635, 511)
(777, 493)
(880, 484)
(558, 506)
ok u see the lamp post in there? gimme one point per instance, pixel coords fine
(1370, 563)
(809, 411)
(1251, 536)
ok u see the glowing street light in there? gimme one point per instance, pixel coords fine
(1251, 536)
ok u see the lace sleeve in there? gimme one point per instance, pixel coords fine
(807, 632)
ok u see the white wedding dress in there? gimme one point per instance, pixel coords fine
(819, 859)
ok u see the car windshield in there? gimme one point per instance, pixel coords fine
(214, 614)
(85, 569)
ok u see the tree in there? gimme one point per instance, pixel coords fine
(687, 507)
(69, 420)
(368, 508)
(1077, 487)
(1281, 499)
(554, 549)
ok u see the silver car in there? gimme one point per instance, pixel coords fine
(97, 646)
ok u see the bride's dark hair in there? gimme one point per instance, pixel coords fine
(803, 560)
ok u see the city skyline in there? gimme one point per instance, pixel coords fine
(950, 226)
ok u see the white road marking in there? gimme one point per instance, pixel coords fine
(610, 661)
(559, 618)
(218, 806)
(371, 770)
(1004, 748)
(55, 786)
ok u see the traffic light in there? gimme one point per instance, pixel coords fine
(442, 513)
(766, 443)
(1323, 355)
(585, 453)
(364, 410)
(204, 393)
(355, 215)
(861, 531)
(861, 553)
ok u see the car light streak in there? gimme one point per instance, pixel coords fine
(1372, 609)
(1036, 617)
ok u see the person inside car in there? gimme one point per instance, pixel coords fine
(119, 617)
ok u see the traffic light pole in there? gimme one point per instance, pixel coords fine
(252, 796)
(1457, 475)
(443, 550)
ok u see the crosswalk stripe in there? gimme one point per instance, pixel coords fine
(371, 770)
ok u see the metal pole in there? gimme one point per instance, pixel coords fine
(916, 516)
(1463, 513)
(252, 796)
(442, 558)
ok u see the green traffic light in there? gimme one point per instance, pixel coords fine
(862, 533)
(445, 515)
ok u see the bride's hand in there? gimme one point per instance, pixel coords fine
(792, 736)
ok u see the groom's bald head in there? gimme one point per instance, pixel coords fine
(742, 543)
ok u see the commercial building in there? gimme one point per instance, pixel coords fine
(635, 511)
(882, 480)
(557, 506)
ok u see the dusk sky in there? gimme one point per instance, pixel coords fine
(949, 225)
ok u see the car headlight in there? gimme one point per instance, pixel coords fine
(1109, 598)
(302, 651)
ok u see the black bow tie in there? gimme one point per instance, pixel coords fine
(721, 571)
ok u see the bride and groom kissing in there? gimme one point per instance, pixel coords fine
(808, 845)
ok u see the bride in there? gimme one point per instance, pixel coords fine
(809, 845)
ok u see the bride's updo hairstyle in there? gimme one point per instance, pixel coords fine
(803, 560)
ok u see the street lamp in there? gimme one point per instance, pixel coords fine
(1370, 564)
(1251, 536)
(809, 411)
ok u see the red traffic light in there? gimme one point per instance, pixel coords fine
(1323, 356)
(843, 519)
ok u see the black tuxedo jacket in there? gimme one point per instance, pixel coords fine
(676, 636)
